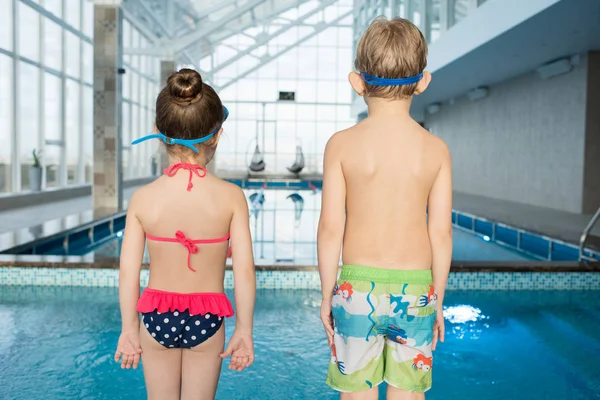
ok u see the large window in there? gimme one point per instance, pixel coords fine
(51, 110)
(315, 70)
(87, 135)
(52, 128)
(433, 17)
(140, 88)
(28, 106)
(73, 130)
(53, 45)
(6, 24)
(50, 64)
(6, 126)
(28, 25)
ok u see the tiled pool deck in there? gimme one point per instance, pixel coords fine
(85, 238)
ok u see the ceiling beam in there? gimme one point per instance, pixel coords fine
(220, 35)
(265, 39)
(219, 5)
(182, 43)
(264, 60)
(152, 51)
(224, 34)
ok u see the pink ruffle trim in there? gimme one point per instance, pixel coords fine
(196, 303)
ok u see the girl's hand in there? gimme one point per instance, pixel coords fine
(241, 350)
(438, 329)
(129, 350)
(327, 320)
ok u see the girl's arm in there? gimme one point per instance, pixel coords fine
(241, 345)
(244, 276)
(132, 253)
(331, 228)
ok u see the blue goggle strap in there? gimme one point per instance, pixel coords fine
(377, 81)
(189, 143)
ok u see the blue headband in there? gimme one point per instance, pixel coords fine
(189, 143)
(377, 81)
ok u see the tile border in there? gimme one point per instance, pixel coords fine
(15, 276)
(76, 262)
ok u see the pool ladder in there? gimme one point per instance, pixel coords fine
(585, 237)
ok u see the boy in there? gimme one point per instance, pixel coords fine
(387, 195)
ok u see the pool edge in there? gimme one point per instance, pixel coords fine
(309, 279)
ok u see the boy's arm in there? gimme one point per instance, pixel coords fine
(333, 217)
(243, 264)
(439, 225)
(132, 253)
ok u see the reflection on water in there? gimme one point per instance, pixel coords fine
(462, 313)
(298, 206)
(285, 227)
(467, 321)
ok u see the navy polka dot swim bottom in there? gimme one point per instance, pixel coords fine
(180, 329)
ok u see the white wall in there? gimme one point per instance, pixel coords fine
(525, 142)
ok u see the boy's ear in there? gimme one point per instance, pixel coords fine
(357, 83)
(423, 83)
(155, 129)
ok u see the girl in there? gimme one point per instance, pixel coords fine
(187, 216)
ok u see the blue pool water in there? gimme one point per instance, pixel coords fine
(284, 228)
(58, 343)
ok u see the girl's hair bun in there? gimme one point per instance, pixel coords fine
(185, 85)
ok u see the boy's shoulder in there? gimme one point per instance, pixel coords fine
(340, 137)
(437, 143)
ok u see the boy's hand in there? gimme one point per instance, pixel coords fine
(241, 350)
(327, 319)
(438, 329)
(128, 350)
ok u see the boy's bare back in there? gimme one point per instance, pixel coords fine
(389, 165)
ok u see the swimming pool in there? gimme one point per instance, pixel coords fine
(284, 227)
(58, 343)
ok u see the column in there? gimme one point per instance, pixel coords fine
(425, 10)
(591, 163)
(446, 13)
(167, 67)
(395, 6)
(107, 187)
(472, 5)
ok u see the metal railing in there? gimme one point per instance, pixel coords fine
(585, 235)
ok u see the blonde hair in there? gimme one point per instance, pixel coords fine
(391, 49)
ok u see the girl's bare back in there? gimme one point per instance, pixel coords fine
(210, 206)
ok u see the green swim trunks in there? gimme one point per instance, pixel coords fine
(383, 329)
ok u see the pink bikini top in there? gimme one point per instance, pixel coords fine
(180, 237)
